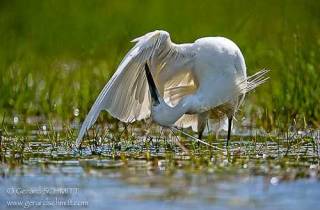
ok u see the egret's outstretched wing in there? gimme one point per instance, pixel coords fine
(126, 95)
(178, 87)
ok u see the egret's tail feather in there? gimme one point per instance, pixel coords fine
(253, 81)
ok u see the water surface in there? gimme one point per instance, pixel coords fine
(154, 173)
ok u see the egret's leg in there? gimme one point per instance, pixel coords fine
(229, 128)
(202, 120)
(200, 133)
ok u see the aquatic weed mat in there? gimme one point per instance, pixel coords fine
(286, 156)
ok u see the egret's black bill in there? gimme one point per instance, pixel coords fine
(152, 86)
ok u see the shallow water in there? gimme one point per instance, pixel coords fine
(138, 185)
(44, 172)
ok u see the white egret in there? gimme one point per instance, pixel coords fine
(188, 83)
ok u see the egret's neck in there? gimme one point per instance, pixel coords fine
(161, 112)
(166, 115)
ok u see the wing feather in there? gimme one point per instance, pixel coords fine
(126, 95)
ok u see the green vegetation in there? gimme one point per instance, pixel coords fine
(56, 56)
(287, 157)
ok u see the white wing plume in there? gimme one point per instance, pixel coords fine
(126, 95)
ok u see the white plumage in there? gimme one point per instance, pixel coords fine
(205, 79)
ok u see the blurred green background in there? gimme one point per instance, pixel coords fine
(56, 55)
